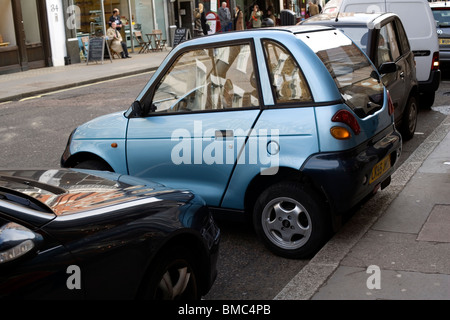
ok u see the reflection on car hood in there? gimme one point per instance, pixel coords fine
(67, 191)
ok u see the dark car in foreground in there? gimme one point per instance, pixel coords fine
(81, 234)
(383, 38)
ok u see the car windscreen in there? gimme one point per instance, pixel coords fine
(354, 75)
(442, 17)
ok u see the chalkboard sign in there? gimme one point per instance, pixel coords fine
(96, 49)
(181, 34)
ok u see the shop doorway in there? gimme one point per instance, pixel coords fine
(185, 14)
(33, 27)
(24, 36)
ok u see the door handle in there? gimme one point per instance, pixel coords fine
(221, 134)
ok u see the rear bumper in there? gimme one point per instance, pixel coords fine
(345, 176)
(432, 84)
(444, 55)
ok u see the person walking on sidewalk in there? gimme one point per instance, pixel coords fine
(224, 17)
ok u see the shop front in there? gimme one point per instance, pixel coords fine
(24, 35)
(136, 15)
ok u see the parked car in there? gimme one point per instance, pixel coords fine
(441, 13)
(419, 24)
(383, 38)
(291, 125)
(80, 234)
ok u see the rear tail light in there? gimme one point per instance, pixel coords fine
(390, 104)
(349, 119)
(435, 63)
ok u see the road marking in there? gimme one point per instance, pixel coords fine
(83, 86)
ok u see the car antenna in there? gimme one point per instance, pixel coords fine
(336, 20)
(337, 15)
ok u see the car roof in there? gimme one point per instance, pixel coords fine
(348, 18)
(254, 32)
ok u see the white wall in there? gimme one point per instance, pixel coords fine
(56, 25)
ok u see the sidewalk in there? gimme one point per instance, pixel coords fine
(29, 83)
(406, 241)
(399, 251)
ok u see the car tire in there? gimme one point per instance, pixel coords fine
(93, 165)
(173, 277)
(409, 121)
(291, 220)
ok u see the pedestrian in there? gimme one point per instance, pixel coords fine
(224, 17)
(256, 17)
(201, 27)
(238, 19)
(115, 41)
(116, 18)
(313, 8)
(271, 16)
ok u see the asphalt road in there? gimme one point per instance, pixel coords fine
(33, 134)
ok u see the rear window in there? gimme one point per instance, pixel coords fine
(354, 75)
(442, 17)
(359, 34)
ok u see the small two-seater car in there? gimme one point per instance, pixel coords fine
(290, 125)
(82, 234)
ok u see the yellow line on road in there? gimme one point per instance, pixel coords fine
(82, 86)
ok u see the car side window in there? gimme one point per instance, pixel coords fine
(285, 75)
(404, 43)
(388, 48)
(208, 79)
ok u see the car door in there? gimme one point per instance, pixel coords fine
(388, 49)
(204, 107)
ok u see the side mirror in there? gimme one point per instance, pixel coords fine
(387, 67)
(16, 241)
(137, 108)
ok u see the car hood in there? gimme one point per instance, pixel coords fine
(110, 126)
(67, 191)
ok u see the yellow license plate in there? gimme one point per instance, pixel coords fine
(380, 168)
(444, 41)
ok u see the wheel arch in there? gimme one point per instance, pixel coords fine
(196, 248)
(262, 182)
(85, 156)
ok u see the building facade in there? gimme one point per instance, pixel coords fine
(45, 33)
(24, 35)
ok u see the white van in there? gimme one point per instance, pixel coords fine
(420, 27)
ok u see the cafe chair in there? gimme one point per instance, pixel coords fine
(144, 44)
(160, 42)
